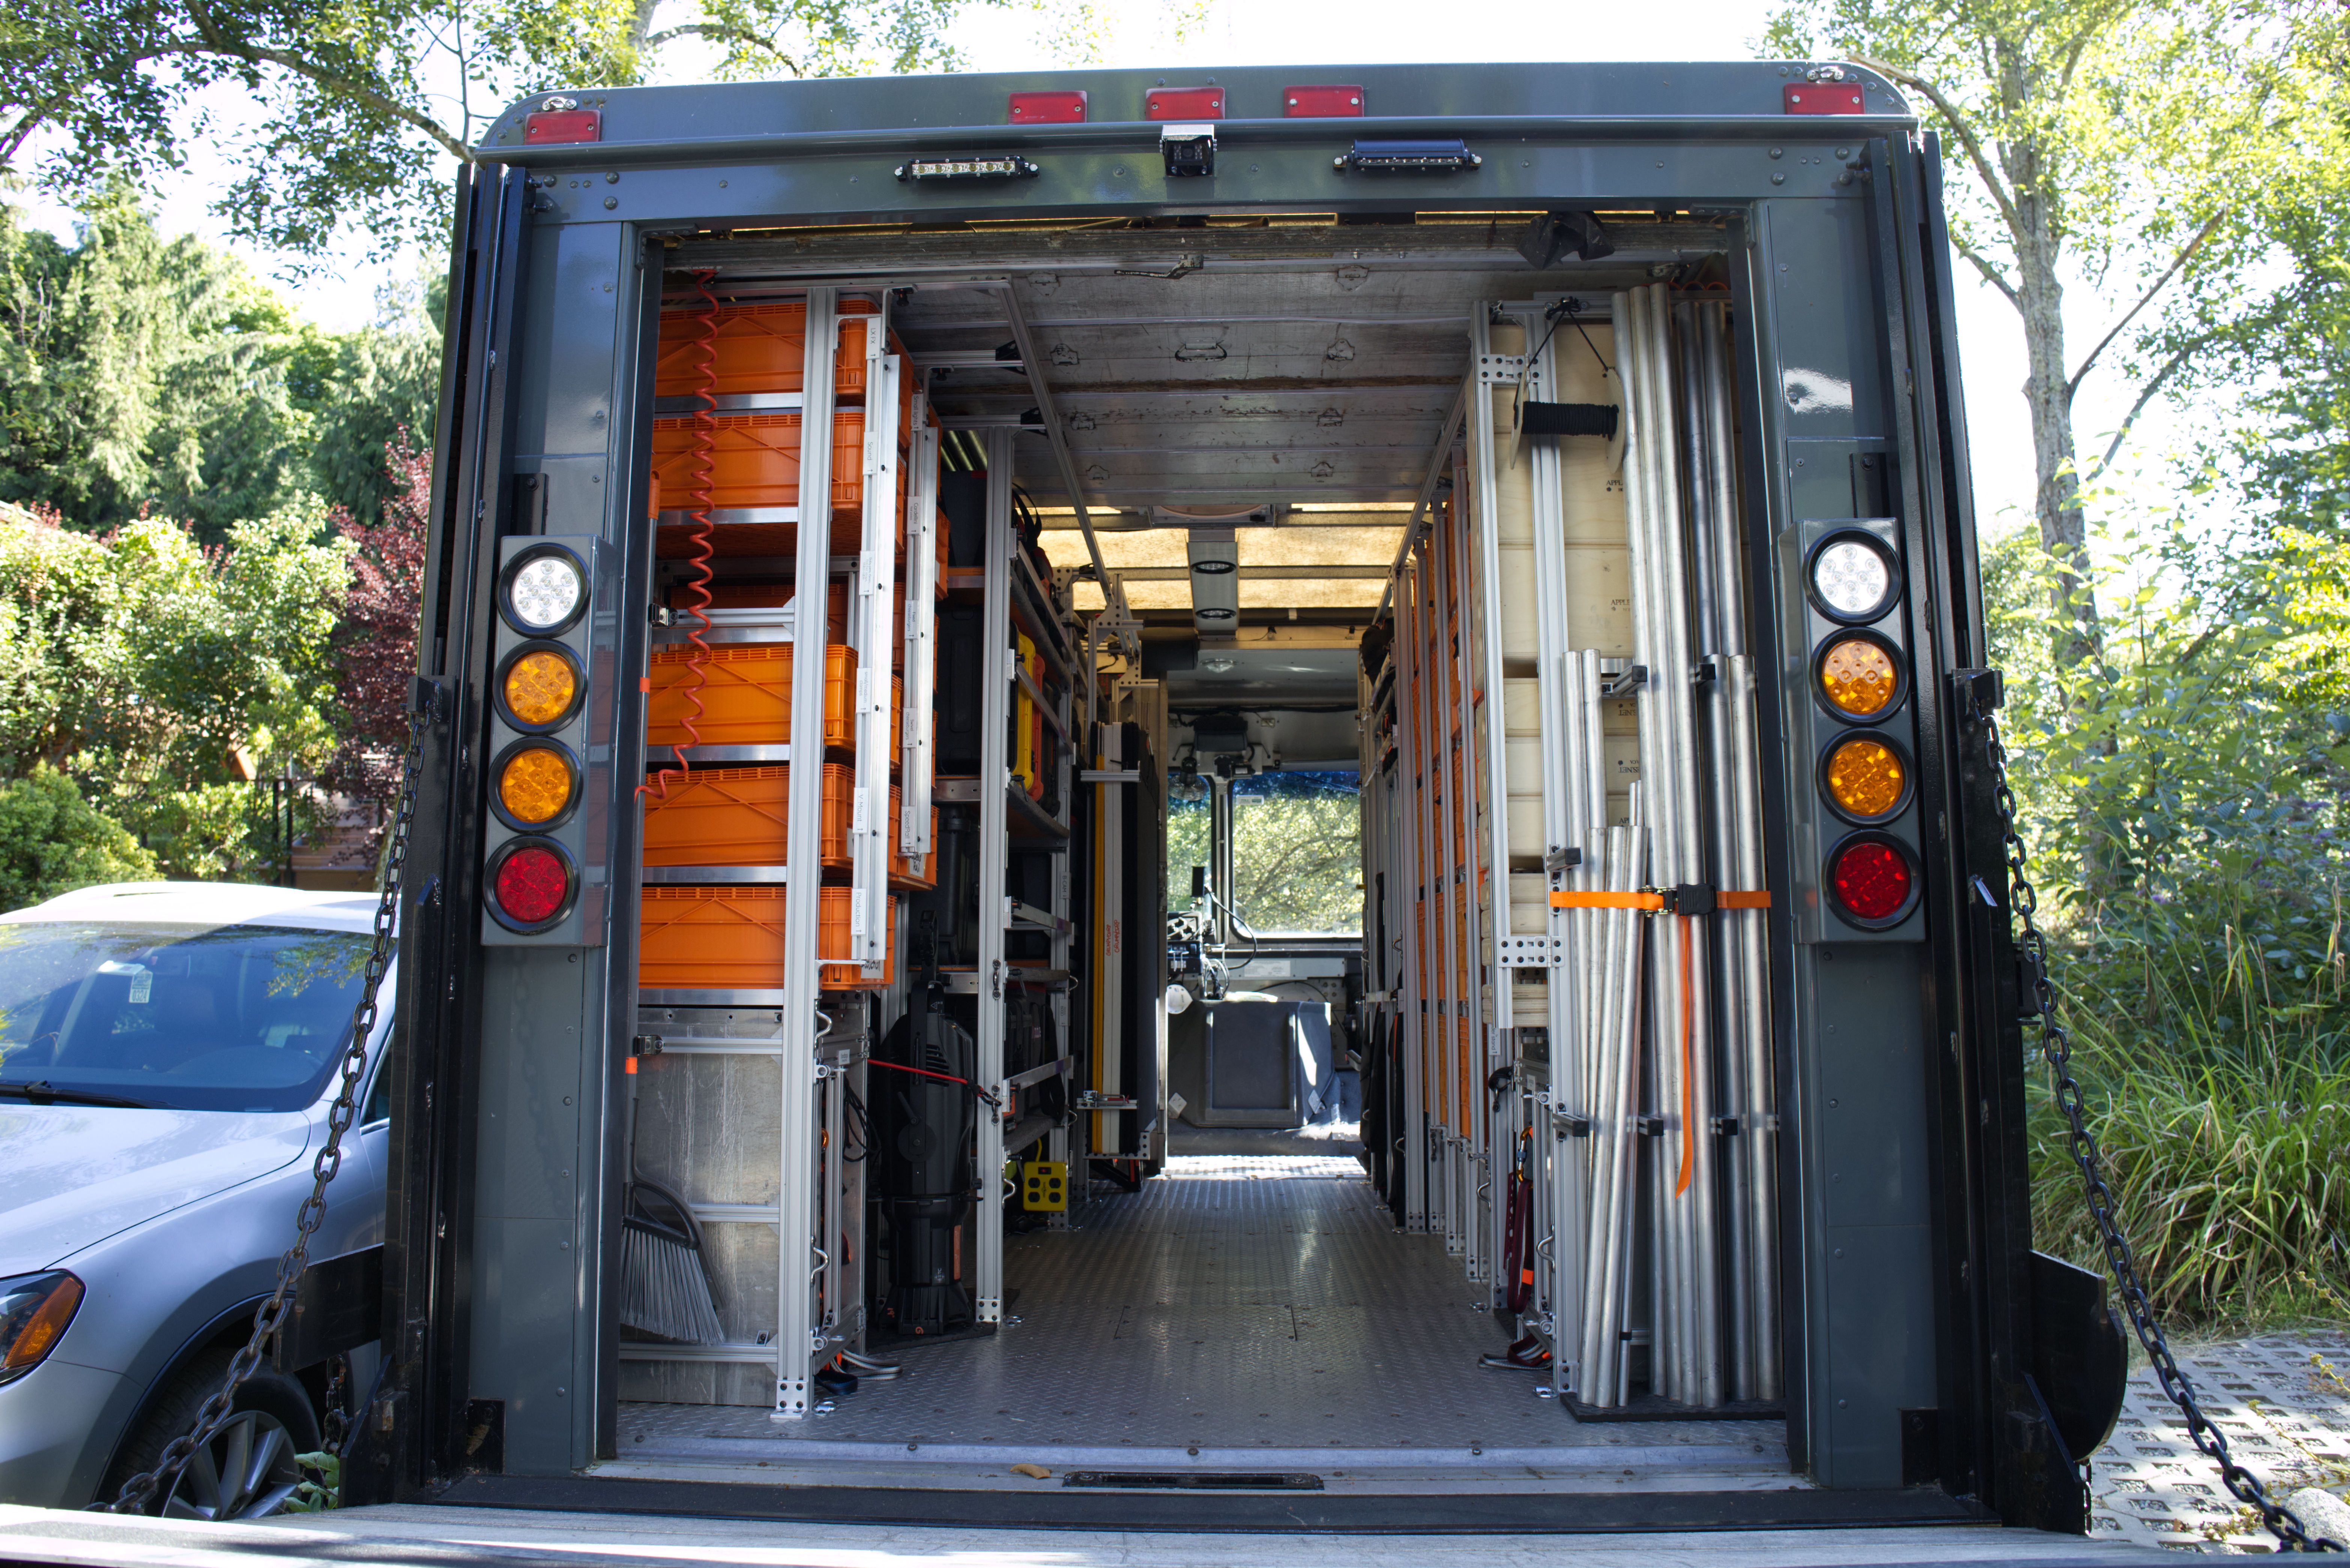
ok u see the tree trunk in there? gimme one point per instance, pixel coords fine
(2040, 297)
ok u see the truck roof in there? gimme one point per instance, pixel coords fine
(1699, 98)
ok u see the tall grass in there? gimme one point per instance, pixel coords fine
(2223, 1110)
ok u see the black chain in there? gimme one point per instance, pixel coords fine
(2056, 1050)
(142, 1489)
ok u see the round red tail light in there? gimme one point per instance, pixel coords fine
(1873, 880)
(531, 885)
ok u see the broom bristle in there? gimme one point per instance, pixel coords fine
(663, 1291)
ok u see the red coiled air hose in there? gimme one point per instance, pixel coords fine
(705, 430)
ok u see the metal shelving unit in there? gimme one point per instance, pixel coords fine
(819, 1042)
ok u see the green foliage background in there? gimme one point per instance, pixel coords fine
(2188, 801)
(1296, 851)
(179, 462)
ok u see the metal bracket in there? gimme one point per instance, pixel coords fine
(1979, 693)
(429, 698)
(1501, 370)
(1527, 951)
(1623, 685)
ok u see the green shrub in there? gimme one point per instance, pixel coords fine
(53, 841)
(2226, 1150)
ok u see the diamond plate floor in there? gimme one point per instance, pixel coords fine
(2284, 1401)
(1237, 1305)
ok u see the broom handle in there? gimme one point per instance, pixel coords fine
(628, 1138)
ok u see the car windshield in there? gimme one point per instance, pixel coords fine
(200, 1018)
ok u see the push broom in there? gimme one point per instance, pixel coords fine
(664, 1285)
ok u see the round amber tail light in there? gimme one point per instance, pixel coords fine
(537, 784)
(1859, 676)
(1865, 777)
(539, 686)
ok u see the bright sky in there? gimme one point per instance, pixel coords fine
(1302, 32)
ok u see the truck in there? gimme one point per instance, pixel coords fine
(1379, 900)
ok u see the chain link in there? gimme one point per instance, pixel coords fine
(2056, 1050)
(142, 1488)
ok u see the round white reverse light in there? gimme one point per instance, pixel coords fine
(544, 593)
(1852, 580)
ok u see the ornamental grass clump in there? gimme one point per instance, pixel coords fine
(2227, 1143)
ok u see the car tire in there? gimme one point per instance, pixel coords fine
(246, 1470)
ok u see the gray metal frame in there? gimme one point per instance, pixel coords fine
(562, 403)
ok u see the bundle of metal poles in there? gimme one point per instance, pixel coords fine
(1745, 1091)
(1673, 1036)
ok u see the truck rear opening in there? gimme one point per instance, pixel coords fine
(894, 1044)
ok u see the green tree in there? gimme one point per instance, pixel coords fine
(363, 103)
(53, 841)
(139, 374)
(163, 674)
(2116, 142)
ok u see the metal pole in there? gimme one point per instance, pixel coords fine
(797, 1337)
(1410, 892)
(921, 621)
(1701, 1212)
(1436, 463)
(1041, 391)
(874, 595)
(994, 781)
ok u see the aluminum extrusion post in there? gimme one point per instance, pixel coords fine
(798, 1336)
(921, 627)
(1057, 1141)
(1443, 866)
(994, 781)
(1411, 892)
(1481, 1233)
(875, 595)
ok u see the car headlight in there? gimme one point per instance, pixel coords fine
(34, 1312)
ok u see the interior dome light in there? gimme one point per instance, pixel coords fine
(540, 687)
(1859, 676)
(537, 784)
(1866, 777)
(1853, 577)
(531, 885)
(545, 591)
(1873, 880)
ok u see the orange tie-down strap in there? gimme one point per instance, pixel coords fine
(1723, 899)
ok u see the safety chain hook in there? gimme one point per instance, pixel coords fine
(142, 1488)
(2056, 1051)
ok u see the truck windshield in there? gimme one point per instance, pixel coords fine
(229, 1018)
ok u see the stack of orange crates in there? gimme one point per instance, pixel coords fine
(726, 937)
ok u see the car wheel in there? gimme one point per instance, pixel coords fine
(246, 1469)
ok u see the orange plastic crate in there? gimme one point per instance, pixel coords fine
(764, 348)
(754, 460)
(730, 938)
(902, 869)
(742, 816)
(746, 699)
(759, 348)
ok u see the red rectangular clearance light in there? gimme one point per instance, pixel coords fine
(1823, 98)
(1184, 103)
(550, 127)
(1048, 107)
(1321, 102)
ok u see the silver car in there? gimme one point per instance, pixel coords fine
(168, 1055)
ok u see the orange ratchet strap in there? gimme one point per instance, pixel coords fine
(1606, 900)
(1723, 899)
